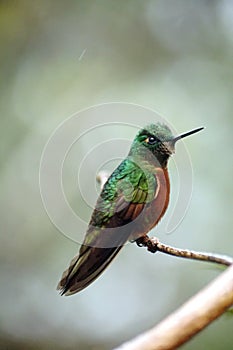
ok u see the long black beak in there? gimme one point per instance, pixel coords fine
(186, 134)
(171, 144)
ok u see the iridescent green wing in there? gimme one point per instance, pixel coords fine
(122, 199)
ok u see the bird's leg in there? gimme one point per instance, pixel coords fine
(150, 243)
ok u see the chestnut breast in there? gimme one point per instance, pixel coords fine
(153, 211)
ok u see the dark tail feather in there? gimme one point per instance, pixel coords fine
(85, 268)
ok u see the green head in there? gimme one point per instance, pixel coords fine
(156, 143)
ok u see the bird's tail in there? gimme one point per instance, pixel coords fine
(85, 268)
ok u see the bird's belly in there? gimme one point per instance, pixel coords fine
(153, 211)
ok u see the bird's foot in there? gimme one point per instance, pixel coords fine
(150, 243)
(142, 241)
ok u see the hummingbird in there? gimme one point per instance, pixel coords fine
(132, 202)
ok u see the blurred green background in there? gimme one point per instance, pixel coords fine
(58, 57)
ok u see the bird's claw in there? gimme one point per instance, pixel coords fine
(150, 243)
(142, 241)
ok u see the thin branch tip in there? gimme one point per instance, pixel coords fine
(153, 245)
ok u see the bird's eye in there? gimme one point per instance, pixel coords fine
(151, 140)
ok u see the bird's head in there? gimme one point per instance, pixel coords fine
(156, 143)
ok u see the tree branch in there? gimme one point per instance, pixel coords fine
(153, 245)
(191, 318)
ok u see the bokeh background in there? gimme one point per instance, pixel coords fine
(59, 57)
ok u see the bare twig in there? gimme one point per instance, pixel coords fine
(153, 245)
(191, 318)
